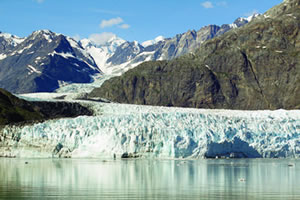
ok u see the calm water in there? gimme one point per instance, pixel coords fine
(149, 179)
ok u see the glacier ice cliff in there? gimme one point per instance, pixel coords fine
(120, 130)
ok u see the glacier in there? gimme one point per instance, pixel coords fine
(121, 130)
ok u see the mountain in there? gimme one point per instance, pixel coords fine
(152, 42)
(254, 67)
(42, 62)
(102, 52)
(8, 42)
(15, 110)
(117, 55)
(45, 61)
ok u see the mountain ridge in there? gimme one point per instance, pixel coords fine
(125, 58)
(14, 110)
(44, 61)
(253, 67)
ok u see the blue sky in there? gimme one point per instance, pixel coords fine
(129, 19)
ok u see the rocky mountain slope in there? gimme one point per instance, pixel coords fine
(130, 54)
(42, 62)
(254, 67)
(15, 110)
(8, 42)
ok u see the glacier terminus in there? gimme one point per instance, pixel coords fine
(131, 131)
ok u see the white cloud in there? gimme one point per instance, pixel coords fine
(207, 4)
(101, 38)
(111, 22)
(124, 26)
(118, 21)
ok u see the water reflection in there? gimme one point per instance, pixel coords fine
(149, 179)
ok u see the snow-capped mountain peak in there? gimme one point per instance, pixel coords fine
(7, 35)
(112, 43)
(42, 61)
(105, 51)
(243, 20)
(116, 41)
(247, 19)
(43, 31)
(11, 39)
(251, 17)
(44, 34)
(152, 42)
(101, 52)
(86, 43)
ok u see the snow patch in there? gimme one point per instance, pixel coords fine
(32, 70)
(48, 38)
(152, 42)
(62, 83)
(233, 25)
(100, 57)
(2, 56)
(76, 45)
(101, 53)
(208, 67)
(73, 43)
(12, 39)
(69, 55)
(37, 60)
(27, 47)
(250, 18)
(117, 70)
(291, 15)
(91, 66)
(65, 55)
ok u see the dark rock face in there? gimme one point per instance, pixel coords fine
(15, 110)
(254, 67)
(42, 61)
(60, 109)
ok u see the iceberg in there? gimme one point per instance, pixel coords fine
(121, 130)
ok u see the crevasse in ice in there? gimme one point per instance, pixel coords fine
(158, 132)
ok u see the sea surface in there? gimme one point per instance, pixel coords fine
(149, 179)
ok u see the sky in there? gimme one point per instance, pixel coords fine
(131, 20)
